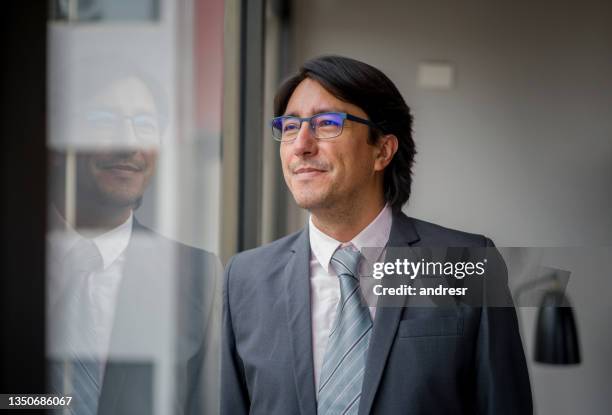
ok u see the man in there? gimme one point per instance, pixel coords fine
(132, 316)
(296, 338)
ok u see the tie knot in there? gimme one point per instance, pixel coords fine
(346, 261)
(85, 257)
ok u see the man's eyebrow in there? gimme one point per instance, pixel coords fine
(314, 112)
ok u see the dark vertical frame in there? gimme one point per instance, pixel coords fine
(282, 8)
(23, 207)
(251, 110)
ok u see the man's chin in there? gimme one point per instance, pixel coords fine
(121, 201)
(310, 201)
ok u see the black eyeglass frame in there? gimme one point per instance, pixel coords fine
(343, 116)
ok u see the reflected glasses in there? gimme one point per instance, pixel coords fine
(323, 126)
(107, 123)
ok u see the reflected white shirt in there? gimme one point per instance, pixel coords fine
(103, 285)
(324, 283)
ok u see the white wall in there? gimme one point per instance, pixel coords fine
(520, 149)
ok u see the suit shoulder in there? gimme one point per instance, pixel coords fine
(263, 255)
(434, 234)
(162, 242)
(261, 263)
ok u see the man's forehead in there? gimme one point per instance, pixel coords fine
(129, 94)
(310, 98)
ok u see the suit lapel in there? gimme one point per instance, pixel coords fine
(112, 388)
(143, 272)
(297, 287)
(139, 286)
(386, 322)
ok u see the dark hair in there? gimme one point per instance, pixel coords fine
(371, 90)
(74, 83)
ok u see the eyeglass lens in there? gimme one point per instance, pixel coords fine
(326, 125)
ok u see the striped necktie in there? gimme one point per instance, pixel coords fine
(345, 356)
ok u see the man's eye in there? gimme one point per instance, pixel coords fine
(328, 123)
(146, 127)
(145, 124)
(289, 127)
(101, 119)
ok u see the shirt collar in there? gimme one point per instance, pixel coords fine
(375, 235)
(61, 237)
(111, 244)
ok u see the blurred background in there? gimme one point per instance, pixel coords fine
(511, 101)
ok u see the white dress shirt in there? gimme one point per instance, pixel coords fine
(324, 283)
(102, 286)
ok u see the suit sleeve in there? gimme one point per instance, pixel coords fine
(502, 379)
(234, 394)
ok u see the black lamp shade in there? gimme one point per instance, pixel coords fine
(556, 332)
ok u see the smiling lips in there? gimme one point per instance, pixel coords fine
(307, 172)
(302, 170)
(309, 168)
(128, 167)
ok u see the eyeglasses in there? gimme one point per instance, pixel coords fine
(323, 126)
(146, 127)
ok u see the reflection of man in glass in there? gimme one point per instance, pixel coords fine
(123, 119)
(125, 305)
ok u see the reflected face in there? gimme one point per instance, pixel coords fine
(115, 178)
(119, 176)
(337, 173)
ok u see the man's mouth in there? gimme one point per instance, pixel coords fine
(306, 173)
(128, 167)
(305, 170)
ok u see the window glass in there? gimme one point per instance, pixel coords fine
(133, 205)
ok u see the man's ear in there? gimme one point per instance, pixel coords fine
(386, 148)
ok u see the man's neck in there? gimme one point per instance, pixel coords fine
(344, 224)
(97, 220)
(101, 221)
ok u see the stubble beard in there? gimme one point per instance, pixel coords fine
(329, 206)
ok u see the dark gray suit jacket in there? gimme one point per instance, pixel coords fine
(417, 363)
(153, 264)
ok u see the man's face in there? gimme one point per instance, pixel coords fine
(329, 174)
(118, 173)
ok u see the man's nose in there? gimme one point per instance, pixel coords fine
(127, 134)
(305, 144)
